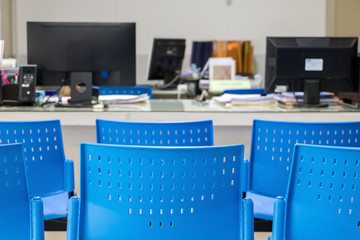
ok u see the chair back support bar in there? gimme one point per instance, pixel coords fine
(195, 133)
(125, 90)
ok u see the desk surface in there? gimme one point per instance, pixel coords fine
(180, 110)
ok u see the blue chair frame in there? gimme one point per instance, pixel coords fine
(271, 151)
(20, 217)
(49, 175)
(123, 90)
(192, 133)
(323, 195)
(142, 192)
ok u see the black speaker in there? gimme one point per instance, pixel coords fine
(27, 84)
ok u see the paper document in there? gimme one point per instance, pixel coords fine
(298, 97)
(218, 86)
(121, 99)
(244, 98)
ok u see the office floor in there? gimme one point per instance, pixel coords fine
(62, 235)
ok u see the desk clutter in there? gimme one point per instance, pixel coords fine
(242, 52)
(18, 85)
(163, 178)
(243, 97)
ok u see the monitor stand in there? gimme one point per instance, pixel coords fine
(171, 78)
(81, 90)
(311, 95)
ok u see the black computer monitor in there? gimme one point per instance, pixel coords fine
(166, 61)
(311, 65)
(106, 50)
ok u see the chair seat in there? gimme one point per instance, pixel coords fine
(263, 206)
(55, 206)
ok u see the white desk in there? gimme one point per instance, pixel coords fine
(179, 110)
(231, 125)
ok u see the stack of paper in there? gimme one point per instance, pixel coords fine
(239, 99)
(121, 99)
(290, 98)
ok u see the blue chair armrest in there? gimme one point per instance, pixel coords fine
(245, 175)
(69, 175)
(248, 219)
(279, 219)
(72, 231)
(37, 219)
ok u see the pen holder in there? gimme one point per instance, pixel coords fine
(10, 94)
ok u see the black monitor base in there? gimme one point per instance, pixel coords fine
(303, 105)
(311, 95)
(75, 105)
(164, 87)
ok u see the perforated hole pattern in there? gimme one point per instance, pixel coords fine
(327, 180)
(273, 143)
(42, 141)
(11, 169)
(108, 90)
(164, 134)
(161, 184)
(14, 201)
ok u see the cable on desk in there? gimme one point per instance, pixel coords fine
(168, 84)
(64, 80)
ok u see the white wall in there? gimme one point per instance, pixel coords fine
(190, 19)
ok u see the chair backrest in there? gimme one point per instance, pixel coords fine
(14, 201)
(123, 90)
(272, 148)
(195, 133)
(323, 198)
(43, 151)
(245, 91)
(141, 192)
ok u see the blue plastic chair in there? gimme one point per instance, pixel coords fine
(323, 196)
(194, 133)
(271, 151)
(245, 91)
(142, 192)
(131, 90)
(49, 175)
(20, 218)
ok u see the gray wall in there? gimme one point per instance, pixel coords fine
(190, 19)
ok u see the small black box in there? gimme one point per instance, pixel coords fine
(27, 84)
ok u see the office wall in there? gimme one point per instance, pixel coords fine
(191, 19)
(7, 27)
(347, 18)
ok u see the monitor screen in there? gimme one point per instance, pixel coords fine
(107, 50)
(311, 65)
(166, 60)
